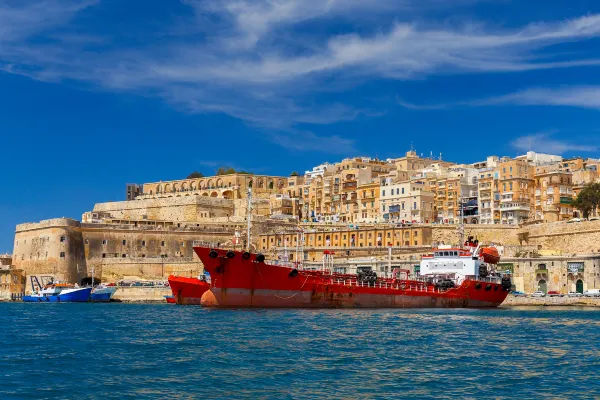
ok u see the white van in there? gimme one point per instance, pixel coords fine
(592, 293)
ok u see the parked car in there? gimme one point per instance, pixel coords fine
(574, 294)
(554, 293)
(592, 293)
(538, 294)
(594, 219)
(517, 293)
(574, 220)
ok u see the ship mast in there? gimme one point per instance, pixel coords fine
(249, 218)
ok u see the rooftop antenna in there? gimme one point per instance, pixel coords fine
(440, 156)
(412, 147)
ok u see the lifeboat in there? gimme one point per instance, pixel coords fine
(490, 255)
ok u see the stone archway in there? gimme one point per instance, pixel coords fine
(228, 194)
(214, 194)
(543, 286)
(579, 286)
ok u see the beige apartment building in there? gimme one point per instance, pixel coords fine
(488, 196)
(334, 195)
(516, 187)
(553, 194)
(407, 201)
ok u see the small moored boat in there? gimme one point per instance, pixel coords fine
(60, 293)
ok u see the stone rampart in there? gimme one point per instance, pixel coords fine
(567, 238)
(183, 208)
(113, 270)
(505, 235)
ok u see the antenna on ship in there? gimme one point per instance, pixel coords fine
(249, 218)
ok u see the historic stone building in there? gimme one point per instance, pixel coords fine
(234, 186)
(68, 249)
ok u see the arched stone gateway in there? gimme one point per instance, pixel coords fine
(579, 286)
(204, 194)
(214, 194)
(543, 286)
(167, 188)
(228, 194)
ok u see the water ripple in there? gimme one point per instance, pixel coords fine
(161, 351)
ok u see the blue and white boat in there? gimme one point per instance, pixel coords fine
(102, 293)
(60, 293)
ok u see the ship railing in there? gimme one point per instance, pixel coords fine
(416, 287)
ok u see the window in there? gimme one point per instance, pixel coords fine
(143, 243)
(402, 190)
(62, 239)
(383, 193)
(124, 242)
(162, 243)
(103, 255)
(123, 255)
(87, 241)
(104, 242)
(62, 254)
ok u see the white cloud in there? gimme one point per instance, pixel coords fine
(545, 143)
(255, 63)
(573, 96)
(568, 96)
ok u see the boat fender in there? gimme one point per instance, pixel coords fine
(230, 254)
(478, 286)
(39, 299)
(293, 273)
(58, 298)
(488, 287)
(246, 255)
(495, 288)
(213, 254)
(260, 257)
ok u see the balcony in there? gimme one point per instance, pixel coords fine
(349, 185)
(515, 207)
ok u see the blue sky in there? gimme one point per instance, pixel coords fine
(98, 93)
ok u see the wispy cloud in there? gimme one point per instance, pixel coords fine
(256, 63)
(544, 142)
(573, 96)
(568, 96)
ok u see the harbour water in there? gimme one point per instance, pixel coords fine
(164, 351)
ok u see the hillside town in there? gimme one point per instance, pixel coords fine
(412, 189)
(383, 214)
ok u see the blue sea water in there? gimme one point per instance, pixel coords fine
(98, 351)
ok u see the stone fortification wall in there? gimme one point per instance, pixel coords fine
(184, 208)
(567, 238)
(113, 270)
(68, 249)
(51, 247)
(497, 234)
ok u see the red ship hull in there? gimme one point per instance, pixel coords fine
(242, 281)
(187, 290)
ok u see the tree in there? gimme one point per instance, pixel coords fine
(225, 171)
(294, 174)
(230, 171)
(588, 199)
(195, 175)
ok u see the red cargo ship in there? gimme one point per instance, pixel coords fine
(451, 277)
(187, 290)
